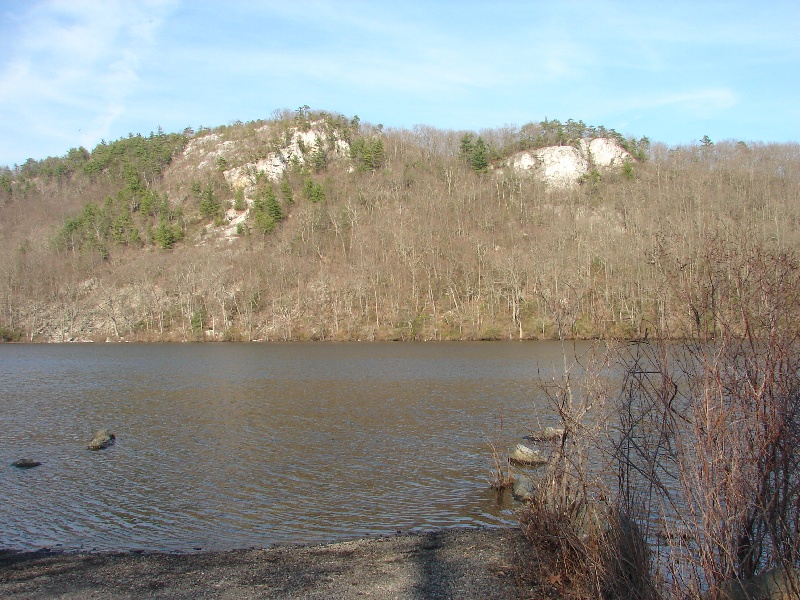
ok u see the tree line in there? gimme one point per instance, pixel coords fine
(405, 239)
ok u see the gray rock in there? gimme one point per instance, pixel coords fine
(26, 463)
(522, 488)
(522, 455)
(102, 439)
(548, 434)
(777, 584)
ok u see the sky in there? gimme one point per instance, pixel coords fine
(75, 72)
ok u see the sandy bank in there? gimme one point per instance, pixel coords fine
(465, 564)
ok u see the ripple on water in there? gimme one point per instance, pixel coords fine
(229, 446)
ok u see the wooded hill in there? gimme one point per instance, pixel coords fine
(314, 226)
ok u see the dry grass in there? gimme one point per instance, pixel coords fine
(502, 476)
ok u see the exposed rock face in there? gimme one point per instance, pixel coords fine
(298, 145)
(605, 153)
(242, 177)
(559, 166)
(563, 166)
(277, 162)
(102, 439)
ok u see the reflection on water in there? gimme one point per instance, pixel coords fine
(238, 445)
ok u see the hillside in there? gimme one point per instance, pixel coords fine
(311, 225)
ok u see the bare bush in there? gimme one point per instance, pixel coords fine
(580, 545)
(709, 443)
(502, 476)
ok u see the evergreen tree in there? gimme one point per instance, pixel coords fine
(479, 158)
(313, 191)
(319, 157)
(272, 206)
(239, 203)
(368, 155)
(164, 235)
(286, 192)
(266, 211)
(466, 148)
(210, 207)
(377, 154)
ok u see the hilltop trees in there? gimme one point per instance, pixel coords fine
(367, 154)
(475, 153)
(117, 222)
(129, 168)
(397, 240)
(138, 160)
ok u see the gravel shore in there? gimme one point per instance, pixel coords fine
(462, 563)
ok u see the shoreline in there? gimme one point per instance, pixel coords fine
(466, 563)
(165, 340)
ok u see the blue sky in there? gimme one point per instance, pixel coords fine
(73, 72)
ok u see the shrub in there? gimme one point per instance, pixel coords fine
(709, 444)
(10, 334)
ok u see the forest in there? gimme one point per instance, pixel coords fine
(676, 477)
(365, 232)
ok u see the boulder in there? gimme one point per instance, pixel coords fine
(522, 488)
(522, 455)
(776, 584)
(25, 463)
(102, 439)
(548, 434)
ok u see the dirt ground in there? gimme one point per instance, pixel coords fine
(464, 563)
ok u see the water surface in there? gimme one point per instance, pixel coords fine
(224, 446)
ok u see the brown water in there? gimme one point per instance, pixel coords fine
(224, 446)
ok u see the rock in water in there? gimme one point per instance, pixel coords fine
(548, 434)
(522, 455)
(26, 463)
(522, 488)
(776, 584)
(102, 439)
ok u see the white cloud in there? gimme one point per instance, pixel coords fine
(71, 66)
(702, 101)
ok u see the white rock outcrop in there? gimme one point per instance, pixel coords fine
(298, 144)
(559, 166)
(605, 153)
(245, 176)
(563, 166)
(276, 163)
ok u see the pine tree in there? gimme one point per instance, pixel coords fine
(377, 154)
(272, 205)
(286, 192)
(238, 200)
(313, 191)
(209, 205)
(319, 157)
(164, 235)
(467, 147)
(479, 158)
